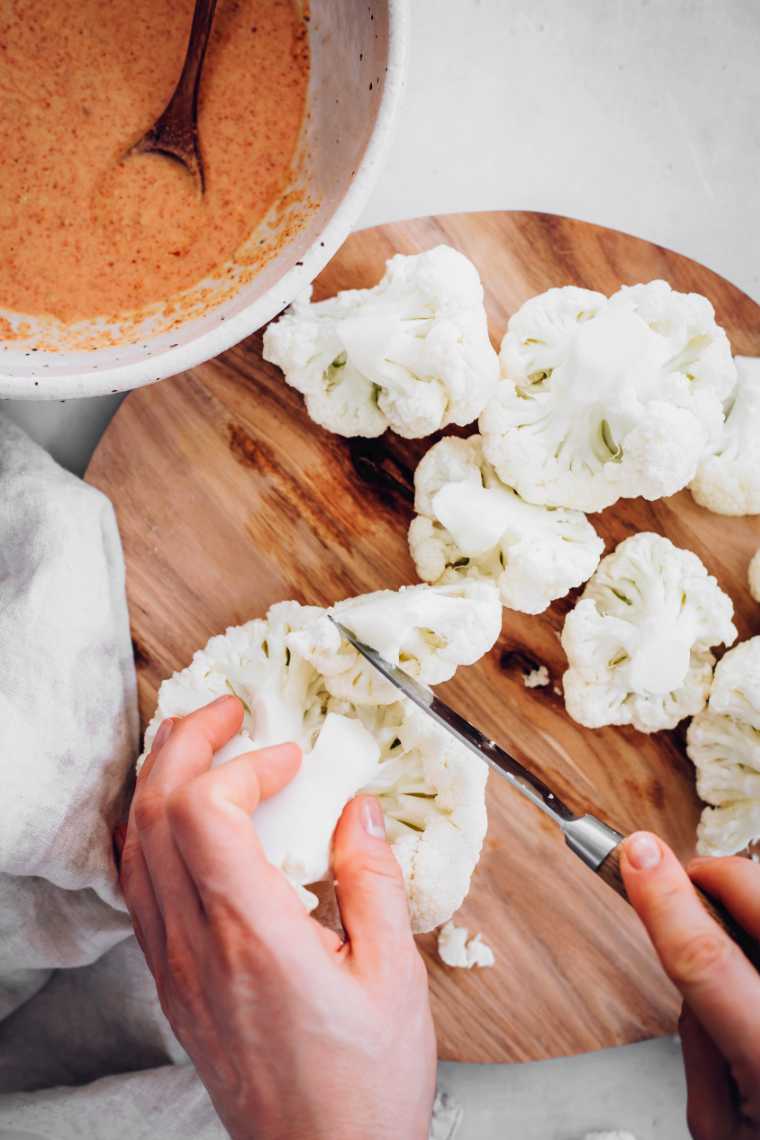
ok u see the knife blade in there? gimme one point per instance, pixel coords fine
(593, 841)
(590, 838)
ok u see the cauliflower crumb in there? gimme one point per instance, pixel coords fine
(411, 354)
(456, 948)
(753, 575)
(536, 678)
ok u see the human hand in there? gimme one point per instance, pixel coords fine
(295, 1034)
(720, 1023)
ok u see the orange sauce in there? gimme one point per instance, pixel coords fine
(85, 231)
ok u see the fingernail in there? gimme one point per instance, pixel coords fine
(642, 851)
(164, 731)
(373, 819)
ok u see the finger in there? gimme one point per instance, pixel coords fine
(710, 1107)
(140, 898)
(173, 889)
(369, 885)
(211, 824)
(713, 975)
(162, 735)
(189, 749)
(242, 783)
(735, 882)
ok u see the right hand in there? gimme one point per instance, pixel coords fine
(720, 1023)
(296, 1034)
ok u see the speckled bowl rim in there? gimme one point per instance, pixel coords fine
(234, 328)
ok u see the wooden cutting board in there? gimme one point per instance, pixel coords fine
(230, 499)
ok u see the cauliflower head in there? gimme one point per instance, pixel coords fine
(298, 680)
(723, 742)
(728, 478)
(472, 527)
(604, 398)
(638, 642)
(411, 354)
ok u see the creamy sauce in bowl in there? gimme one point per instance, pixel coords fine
(86, 232)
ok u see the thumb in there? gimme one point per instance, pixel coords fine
(369, 884)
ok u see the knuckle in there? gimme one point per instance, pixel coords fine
(698, 958)
(148, 809)
(182, 806)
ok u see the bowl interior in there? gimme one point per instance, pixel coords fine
(354, 73)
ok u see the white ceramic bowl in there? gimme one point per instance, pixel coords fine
(358, 52)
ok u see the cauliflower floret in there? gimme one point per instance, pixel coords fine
(293, 675)
(736, 686)
(728, 478)
(426, 630)
(470, 526)
(726, 754)
(456, 948)
(728, 829)
(638, 642)
(753, 576)
(607, 398)
(724, 744)
(412, 354)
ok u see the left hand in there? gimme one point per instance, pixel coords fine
(295, 1034)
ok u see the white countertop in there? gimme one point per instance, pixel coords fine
(637, 114)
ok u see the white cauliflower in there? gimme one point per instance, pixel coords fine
(736, 686)
(411, 354)
(471, 526)
(753, 576)
(728, 478)
(536, 678)
(427, 631)
(638, 642)
(299, 681)
(456, 948)
(607, 398)
(723, 742)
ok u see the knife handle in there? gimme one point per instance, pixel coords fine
(609, 871)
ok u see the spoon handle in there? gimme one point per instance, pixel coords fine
(189, 81)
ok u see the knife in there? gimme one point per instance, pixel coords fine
(594, 842)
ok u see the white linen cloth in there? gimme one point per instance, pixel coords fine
(85, 1052)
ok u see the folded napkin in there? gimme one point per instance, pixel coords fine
(85, 1052)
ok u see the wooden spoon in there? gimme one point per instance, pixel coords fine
(175, 132)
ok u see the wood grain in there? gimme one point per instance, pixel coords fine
(230, 499)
